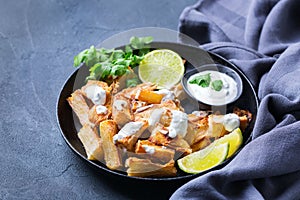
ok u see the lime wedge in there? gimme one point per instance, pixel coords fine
(204, 159)
(235, 139)
(162, 67)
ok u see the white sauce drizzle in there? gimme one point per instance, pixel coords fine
(149, 149)
(141, 109)
(179, 124)
(119, 104)
(155, 116)
(164, 131)
(96, 93)
(129, 129)
(230, 121)
(168, 95)
(137, 94)
(101, 110)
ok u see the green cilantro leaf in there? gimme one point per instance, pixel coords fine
(128, 49)
(147, 40)
(217, 85)
(80, 58)
(201, 80)
(118, 70)
(140, 43)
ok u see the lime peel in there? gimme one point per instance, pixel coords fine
(235, 140)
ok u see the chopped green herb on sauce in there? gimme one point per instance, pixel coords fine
(217, 85)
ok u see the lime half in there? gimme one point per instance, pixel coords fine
(204, 159)
(162, 67)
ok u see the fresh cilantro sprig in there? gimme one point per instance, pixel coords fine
(205, 80)
(107, 64)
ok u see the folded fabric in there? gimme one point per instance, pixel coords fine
(262, 38)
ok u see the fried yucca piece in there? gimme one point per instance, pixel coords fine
(150, 97)
(145, 111)
(215, 129)
(127, 140)
(97, 118)
(196, 135)
(179, 92)
(171, 105)
(245, 117)
(133, 92)
(79, 106)
(101, 84)
(197, 128)
(108, 129)
(139, 106)
(160, 138)
(157, 154)
(181, 146)
(244, 122)
(91, 142)
(146, 168)
(158, 135)
(203, 142)
(145, 114)
(121, 111)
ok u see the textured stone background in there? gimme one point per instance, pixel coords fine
(38, 40)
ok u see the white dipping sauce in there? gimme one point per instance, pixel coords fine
(210, 96)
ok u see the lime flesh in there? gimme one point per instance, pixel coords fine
(235, 140)
(162, 67)
(204, 159)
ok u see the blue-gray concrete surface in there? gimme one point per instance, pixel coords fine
(38, 40)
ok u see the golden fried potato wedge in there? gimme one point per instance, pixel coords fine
(201, 143)
(121, 111)
(197, 128)
(181, 146)
(108, 129)
(133, 92)
(99, 113)
(146, 168)
(101, 84)
(79, 106)
(216, 129)
(129, 134)
(157, 154)
(91, 142)
(150, 97)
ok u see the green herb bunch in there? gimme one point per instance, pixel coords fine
(107, 64)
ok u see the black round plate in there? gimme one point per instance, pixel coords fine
(195, 57)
